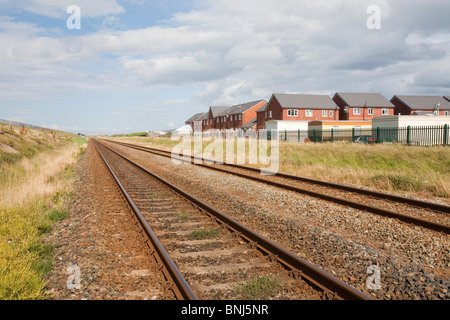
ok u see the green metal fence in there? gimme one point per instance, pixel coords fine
(423, 135)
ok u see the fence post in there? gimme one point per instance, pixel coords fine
(378, 134)
(353, 134)
(445, 134)
(408, 135)
(314, 135)
(332, 133)
(298, 135)
(285, 135)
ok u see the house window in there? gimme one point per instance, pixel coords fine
(385, 112)
(292, 113)
(370, 111)
(331, 113)
(446, 113)
(308, 113)
(266, 114)
(270, 114)
(356, 111)
(324, 113)
(240, 117)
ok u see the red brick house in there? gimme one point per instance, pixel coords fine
(362, 106)
(305, 107)
(239, 115)
(211, 121)
(408, 105)
(261, 117)
(191, 120)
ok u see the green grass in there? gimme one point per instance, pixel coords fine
(134, 134)
(24, 257)
(204, 233)
(183, 215)
(258, 288)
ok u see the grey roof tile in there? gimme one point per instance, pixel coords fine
(305, 101)
(365, 99)
(423, 102)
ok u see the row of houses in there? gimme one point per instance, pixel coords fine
(306, 107)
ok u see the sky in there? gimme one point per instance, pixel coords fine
(135, 65)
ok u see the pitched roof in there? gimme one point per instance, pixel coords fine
(263, 108)
(423, 102)
(365, 99)
(227, 111)
(216, 110)
(194, 117)
(241, 108)
(204, 116)
(305, 101)
(249, 124)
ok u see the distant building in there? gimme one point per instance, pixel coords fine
(239, 115)
(408, 105)
(290, 130)
(303, 107)
(191, 120)
(447, 98)
(339, 130)
(403, 121)
(362, 106)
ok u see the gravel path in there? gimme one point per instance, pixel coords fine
(414, 263)
(101, 240)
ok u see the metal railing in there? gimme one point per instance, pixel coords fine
(411, 135)
(25, 125)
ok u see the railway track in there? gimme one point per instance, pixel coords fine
(426, 214)
(175, 224)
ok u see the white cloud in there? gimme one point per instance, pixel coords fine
(235, 50)
(57, 8)
(170, 125)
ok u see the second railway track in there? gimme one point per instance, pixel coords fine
(422, 213)
(230, 253)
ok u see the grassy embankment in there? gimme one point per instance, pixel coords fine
(35, 186)
(414, 170)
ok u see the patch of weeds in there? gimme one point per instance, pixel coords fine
(45, 252)
(258, 288)
(399, 182)
(57, 197)
(209, 243)
(56, 215)
(183, 215)
(44, 228)
(204, 233)
(163, 195)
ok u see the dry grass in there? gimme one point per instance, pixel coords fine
(34, 187)
(415, 170)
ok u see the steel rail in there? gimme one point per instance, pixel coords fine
(299, 267)
(181, 288)
(414, 202)
(379, 211)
